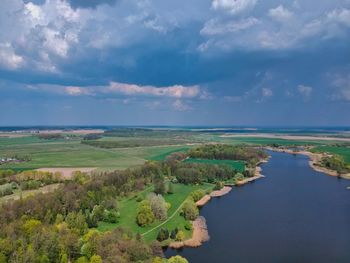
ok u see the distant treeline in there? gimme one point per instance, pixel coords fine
(143, 132)
(228, 152)
(130, 143)
(50, 136)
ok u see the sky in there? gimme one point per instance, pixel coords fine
(184, 62)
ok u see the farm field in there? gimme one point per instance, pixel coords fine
(270, 141)
(128, 212)
(71, 153)
(237, 165)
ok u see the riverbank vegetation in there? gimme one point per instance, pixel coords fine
(114, 216)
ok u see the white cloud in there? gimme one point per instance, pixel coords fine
(8, 58)
(176, 91)
(234, 6)
(280, 13)
(341, 16)
(217, 27)
(77, 91)
(266, 92)
(341, 84)
(181, 106)
(305, 91)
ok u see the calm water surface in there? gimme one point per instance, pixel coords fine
(295, 214)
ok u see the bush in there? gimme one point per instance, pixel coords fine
(174, 233)
(111, 216)
(6, 189)
(197, 195)
(219, 185)
(145, 215)
(190, 210)
(163, 234)
(188, 226)
(158, 206)
(180, 236)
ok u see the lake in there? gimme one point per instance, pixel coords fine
(293, 215)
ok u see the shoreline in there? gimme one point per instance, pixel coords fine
(314, 159)
(200, 232)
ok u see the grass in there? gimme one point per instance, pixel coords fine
(71, 153)
(128, 212)
(238, 165)
(163, 155)
(339, 150)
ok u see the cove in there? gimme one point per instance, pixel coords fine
(294, 215)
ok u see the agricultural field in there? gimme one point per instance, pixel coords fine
(128, 212)
(72, 153)
(237, 165)
(271, 141)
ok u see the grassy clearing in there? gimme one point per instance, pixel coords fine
(71, 153)
(238, 165)
(128, 212)
(339, 150)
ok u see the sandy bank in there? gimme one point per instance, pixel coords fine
(67, 173)
(199, 236)
(205, 199)
(225, 190)
(217, 193)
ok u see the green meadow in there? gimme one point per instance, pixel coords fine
(128, 212)
(72, 153)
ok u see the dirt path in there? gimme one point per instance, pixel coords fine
(169, 218)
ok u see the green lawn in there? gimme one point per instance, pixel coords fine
(128, 212)
(71, 153)
(238, 165)
(339, 150)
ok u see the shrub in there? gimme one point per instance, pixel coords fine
(218, 185)
(188, 226)
(111, 216)
(190, 210)
(180, 236)
(145, 215)
(158, 206)
(163, 234)
(197, 195)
